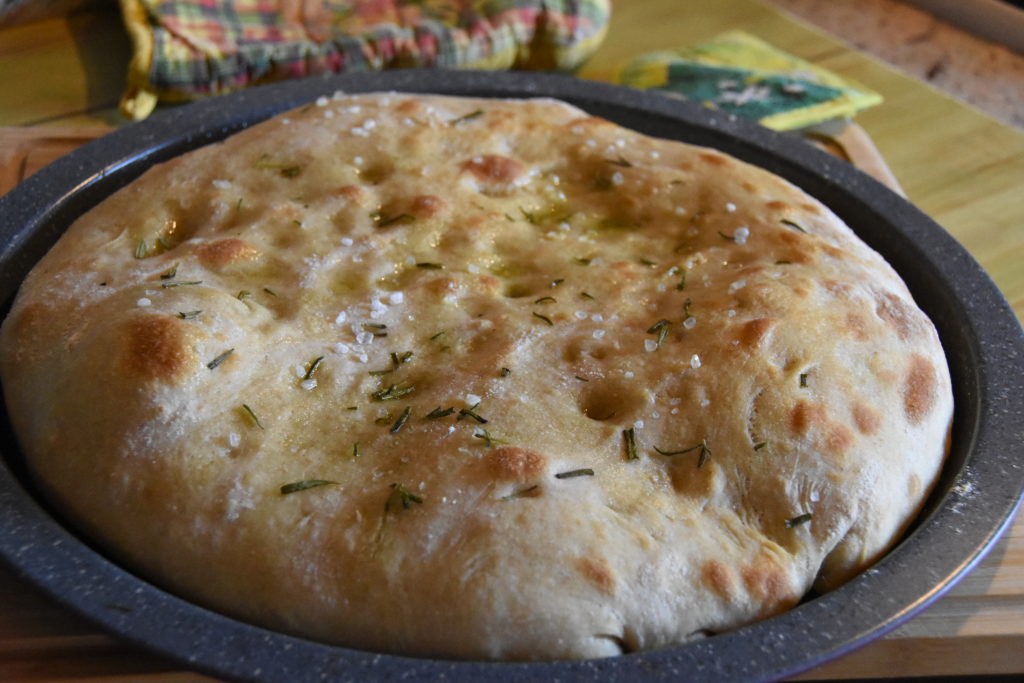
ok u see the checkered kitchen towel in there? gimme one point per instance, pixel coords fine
(184, 49)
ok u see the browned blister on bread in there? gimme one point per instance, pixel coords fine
(476, 378)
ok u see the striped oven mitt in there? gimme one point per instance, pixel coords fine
(185, 49)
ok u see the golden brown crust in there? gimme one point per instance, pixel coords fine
(476, 379)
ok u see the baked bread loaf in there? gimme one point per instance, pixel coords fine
(478, 379)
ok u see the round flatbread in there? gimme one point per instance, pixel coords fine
(475, 378)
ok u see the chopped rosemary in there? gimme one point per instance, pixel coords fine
(582, 379)
(402, 419)
(530, 218)
(582, 261)
(686, 308)
(544, 318)
(522, 493)
(619, 162)
(400, 218)
(141, 249)
(243, 294)
(486, 436)
(188, 315)
(269, 291)
(219, 359)
(661, 328)
(438, 413)
(380, 373)
(556, 282)
(355, 450)
(303, 485)
(803, 380)
(438, 335)
(291, 171)
(399, 358)
(647, 262)
(758, 446)
(376, 329)
(682, 280)
(471, 412)
(313, 365)
(705, 452)
(183, 283)
(571, 474)
(783, 263)
(509, 218)
(798, 520)
(726, 237)
(588, 295)
(468, 117)
(431, 266)
(629, 439)
(393, 392)
(401, 496)
(170, 273)
(163, 244)
(795, 226)
(252, 415)
(546, 300)
(505, 372)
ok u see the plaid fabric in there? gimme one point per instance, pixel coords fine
(190, 48)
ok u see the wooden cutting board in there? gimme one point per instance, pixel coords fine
(978, 628)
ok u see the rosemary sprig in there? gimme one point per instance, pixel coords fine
(252, 415)
(471, 412)
(629, 440)
(660, 328)
(393, 392)
(188, 315)
(705, 452)
(296, 486)
(468, 117)
(219, 359)
(758, 446)
(402, 419)
(170, 273)
(798, 520)
(572, 474)
(183, 283)
(544, 318)
(401, 496)
(522, 493)
(439, 412)
(792, 224)
(399, 218)
(313, 365)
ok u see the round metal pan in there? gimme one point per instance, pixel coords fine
(979, 491)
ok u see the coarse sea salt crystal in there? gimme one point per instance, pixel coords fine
(730, 207)
(471, 399)
(739, 284)
(580, 315)
(347, 242)
(396, 298)
(222, 184)
(144, 302)
(639, 424)
(234, 439)
(473, 268)
(299, 371)
(598, 334)
(340, 348)
(694, 361)
(308, 384)
(321, 101)
(741, 235)
(340, 318)
(628, 374)
(689, 322)
(650, 345)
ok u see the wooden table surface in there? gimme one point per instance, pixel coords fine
(61, 81)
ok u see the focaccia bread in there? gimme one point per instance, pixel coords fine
(475, 378)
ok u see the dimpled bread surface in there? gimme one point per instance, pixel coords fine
(475, 378)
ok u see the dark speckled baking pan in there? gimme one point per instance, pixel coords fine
(980, 488)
